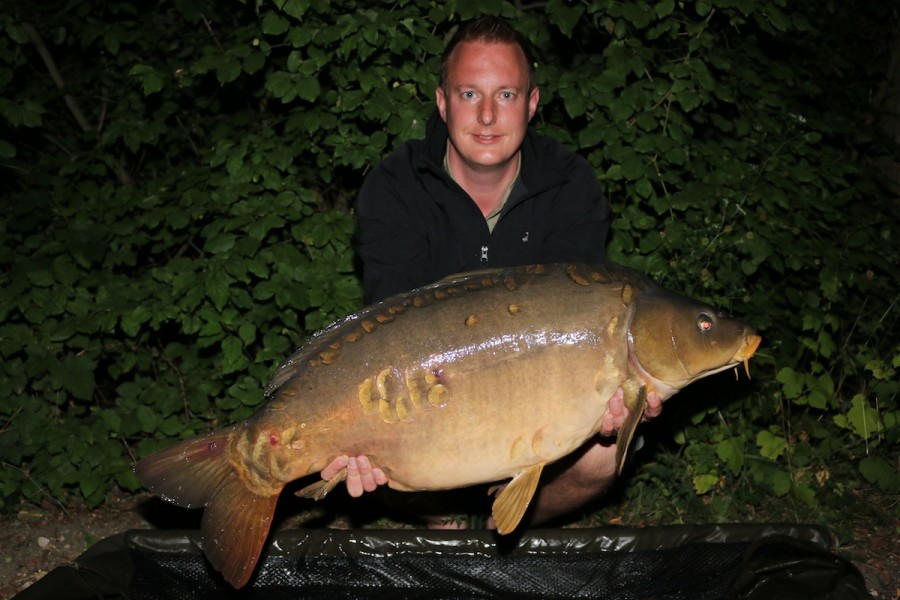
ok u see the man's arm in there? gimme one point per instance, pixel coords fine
(392, 249)
(580, 219)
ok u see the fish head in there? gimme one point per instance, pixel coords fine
(674, 340)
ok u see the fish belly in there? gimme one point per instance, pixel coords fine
(488, 423)
(468, 389)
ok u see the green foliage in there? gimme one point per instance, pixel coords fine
(179, 183)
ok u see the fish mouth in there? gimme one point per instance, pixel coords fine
(747, 349)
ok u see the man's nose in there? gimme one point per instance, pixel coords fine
(487, 112)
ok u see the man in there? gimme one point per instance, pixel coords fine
(484, 190)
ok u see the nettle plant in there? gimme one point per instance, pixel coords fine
(180, 180)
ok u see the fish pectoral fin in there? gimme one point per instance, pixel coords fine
(512, 502)
(320, 489)
(635, 399)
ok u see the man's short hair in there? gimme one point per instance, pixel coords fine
(488, 30)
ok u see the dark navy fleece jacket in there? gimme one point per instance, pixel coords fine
(415, 225)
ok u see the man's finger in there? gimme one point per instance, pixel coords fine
(354, 483)
(615, 414)
(653, 407)
(379, 476)
(365, 474)
(335, 467)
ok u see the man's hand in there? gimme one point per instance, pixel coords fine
(361, 475)
(616, 411)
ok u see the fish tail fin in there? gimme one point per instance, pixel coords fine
(235, 527)
(198, 472)
(634, 401)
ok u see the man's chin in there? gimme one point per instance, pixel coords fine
(487, 161)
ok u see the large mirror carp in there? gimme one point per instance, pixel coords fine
(482, 377)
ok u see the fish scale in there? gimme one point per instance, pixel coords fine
(482, 377)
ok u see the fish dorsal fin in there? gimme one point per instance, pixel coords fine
(511, 503)
(321, 488)
(635, 398)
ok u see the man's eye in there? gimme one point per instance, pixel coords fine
(468, 95)
(507, 95)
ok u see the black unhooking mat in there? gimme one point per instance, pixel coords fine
(747, 562)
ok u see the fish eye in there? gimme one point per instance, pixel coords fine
(704, 323)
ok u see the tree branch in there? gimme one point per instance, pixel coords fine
(55, 75)
(71, 102)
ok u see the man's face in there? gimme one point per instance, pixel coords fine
(487, 105)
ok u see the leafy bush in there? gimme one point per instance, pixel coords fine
(179, 182)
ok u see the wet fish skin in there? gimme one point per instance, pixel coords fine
(481, 377)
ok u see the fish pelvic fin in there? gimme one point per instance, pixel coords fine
(635, 398)
(510, 505)
(198, 472)
(320, 489)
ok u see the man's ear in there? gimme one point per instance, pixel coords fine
(533, 99)
(441, 100)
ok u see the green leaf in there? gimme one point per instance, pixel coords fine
(228, 70)
(147, 419)
(7, 150)
(131, 321)
(308, 87)
(295, 8)
(688, 99)
(644, 188)
(151, 80)
(564, 15)
(770, 445)
(217, 288)
(247, 333)
(664, 8)
(282, 85)
(112, 420)
(806, 495)
(78, 376)
(862, 418)
(636, 13)
(274, 24)
(791, 382)
(89, 485)
(780, 482)
(254, 62)
(881, 472)
(233, 357)
(41, 278)
(731, 451)
(220, 243)
(704, 483)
